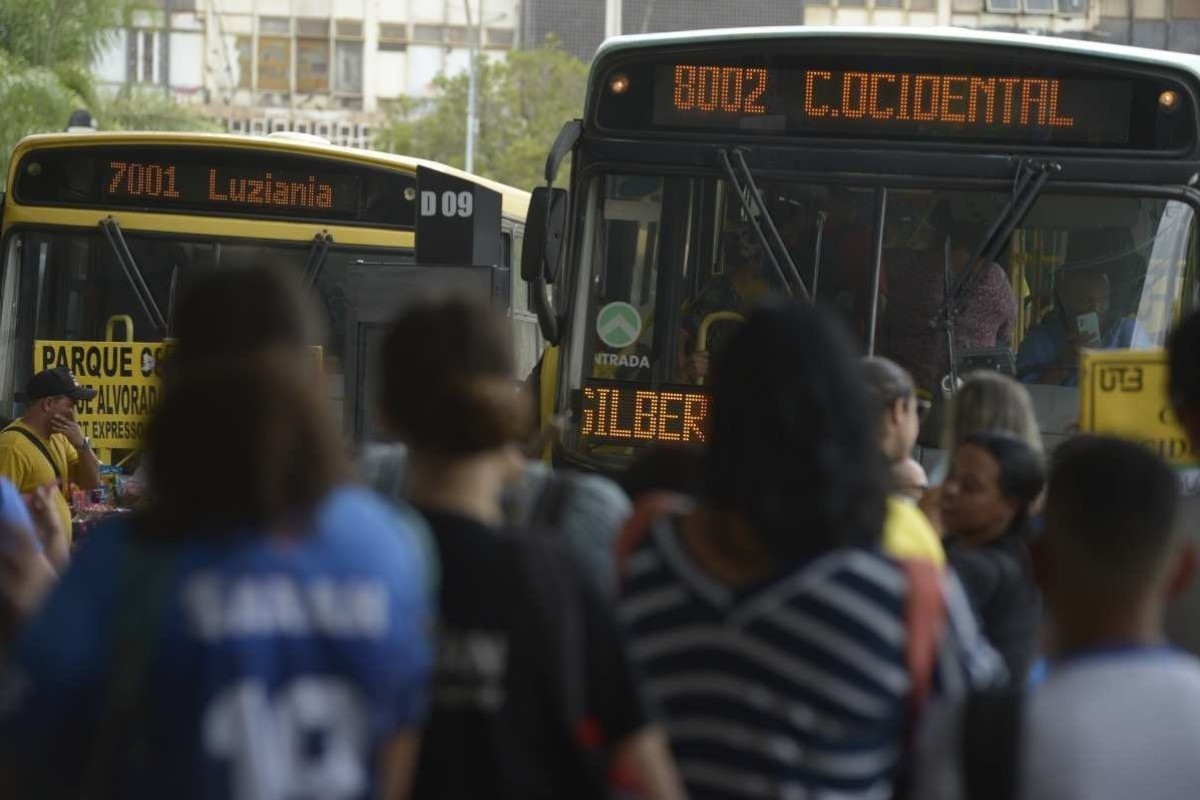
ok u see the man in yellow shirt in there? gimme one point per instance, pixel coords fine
(46, 446)
(906, 531)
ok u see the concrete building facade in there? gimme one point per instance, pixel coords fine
(314, 66)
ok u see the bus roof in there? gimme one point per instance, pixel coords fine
(515, 201)
(633, 43)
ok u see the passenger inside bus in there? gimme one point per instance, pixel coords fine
(1049, 353)
(743, 282)
(843, 276)
(914, 337)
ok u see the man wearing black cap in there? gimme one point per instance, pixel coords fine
(45, 446)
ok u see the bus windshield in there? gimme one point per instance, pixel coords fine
(68, 285)
(675, 265)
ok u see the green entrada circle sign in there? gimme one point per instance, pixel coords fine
(618, 324)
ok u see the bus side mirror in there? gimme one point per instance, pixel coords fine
(545, 226)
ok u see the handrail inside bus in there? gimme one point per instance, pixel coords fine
(133, 274)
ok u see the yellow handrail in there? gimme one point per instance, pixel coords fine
(706, 323)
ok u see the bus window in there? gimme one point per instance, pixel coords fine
(680, 265)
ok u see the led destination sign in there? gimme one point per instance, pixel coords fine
(127, 180)
(620, 412)
(217, 180)
(849, 101)
(984, 97)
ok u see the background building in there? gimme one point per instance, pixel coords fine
(315, 66)
(328, 66)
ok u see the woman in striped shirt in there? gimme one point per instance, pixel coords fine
(768, 624)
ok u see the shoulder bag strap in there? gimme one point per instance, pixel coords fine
(551, 503)
(645, 511)
(63, 483)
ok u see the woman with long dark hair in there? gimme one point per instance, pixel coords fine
(770, 625)
(994, 483)
(261, 630)
(534, 698)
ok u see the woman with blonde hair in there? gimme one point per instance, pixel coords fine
(986, 402)
(989, 402)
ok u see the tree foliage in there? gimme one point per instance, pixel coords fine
(522, 101)
(47, 48)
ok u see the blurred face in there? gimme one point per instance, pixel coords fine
(908, 478)
(903, 424)
(973, 505)
(60, 404)
(1086, 293)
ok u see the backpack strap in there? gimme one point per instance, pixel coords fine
(990, 745)
(646, 510)
(63, 483)
(120, 737)
(924, 622)
(552, 502)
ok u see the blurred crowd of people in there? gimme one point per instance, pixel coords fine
(795, 611)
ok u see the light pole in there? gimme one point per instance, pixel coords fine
(474, 35)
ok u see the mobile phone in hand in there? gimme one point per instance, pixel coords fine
(1088, 325)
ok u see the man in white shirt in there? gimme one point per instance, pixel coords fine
(1118, 717)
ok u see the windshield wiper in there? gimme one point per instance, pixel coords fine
(817, 247)
(137, 281)
(774, 246)
(1031, 177)
(318, 254)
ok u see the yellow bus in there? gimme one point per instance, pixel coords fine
(964, 200)
(102, 232)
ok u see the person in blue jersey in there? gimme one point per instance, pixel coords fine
(534, 697)
(261, 630)
(769, 624)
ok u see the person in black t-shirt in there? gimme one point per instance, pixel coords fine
(534, 696)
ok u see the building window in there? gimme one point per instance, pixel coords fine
(922, 5)
(1185, 9)
(312, 66)
(274, 64)
(500, 37)
(275, 26)
(428, 34)
(1004, 6)
(393, 32)
(144, 56)
(1039, 6)
(1074, 8)
(312, 28)
(352, 28)
(457, 34)
(968, 6)
(245, 57)
(348, 71)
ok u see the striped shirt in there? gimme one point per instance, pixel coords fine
(797, 688)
